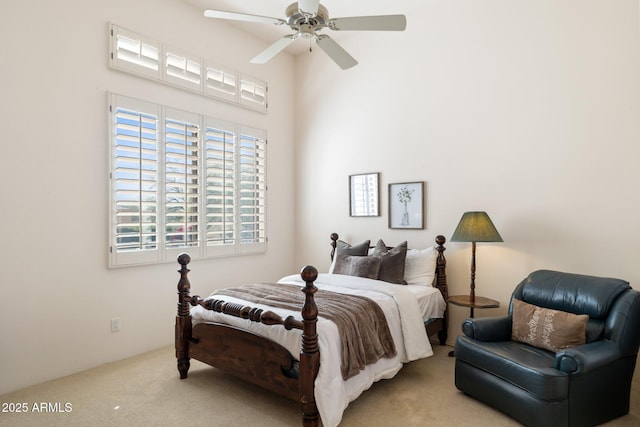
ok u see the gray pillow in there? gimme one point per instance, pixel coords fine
(361, 266)
(345, 248)
(392, 266)
(342, 264)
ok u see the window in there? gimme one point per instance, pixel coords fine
(253, 92)
(221, 83)
(152, 59)
(252, 183)
(181, 179)
(134, 53)
(183, 69)
(183, 182)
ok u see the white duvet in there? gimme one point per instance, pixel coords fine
(332, 393)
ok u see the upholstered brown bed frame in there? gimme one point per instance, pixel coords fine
(259, 360)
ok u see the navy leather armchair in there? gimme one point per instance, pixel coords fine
(581, 385)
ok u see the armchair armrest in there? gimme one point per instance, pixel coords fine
(585, 358)
(488, 328)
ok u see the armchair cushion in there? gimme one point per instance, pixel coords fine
(553, 330)
(529, 367)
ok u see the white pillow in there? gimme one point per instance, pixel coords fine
(420, 266)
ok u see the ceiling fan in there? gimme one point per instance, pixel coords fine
(306, 18)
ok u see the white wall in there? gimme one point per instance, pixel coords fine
(529, 110)
(58, 294)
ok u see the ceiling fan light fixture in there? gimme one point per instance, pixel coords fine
(306, 31)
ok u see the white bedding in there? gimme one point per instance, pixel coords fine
(430, 299)
(405, 308)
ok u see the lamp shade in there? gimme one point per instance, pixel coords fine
(476, 227)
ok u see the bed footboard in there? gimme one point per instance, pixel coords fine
(249, 356)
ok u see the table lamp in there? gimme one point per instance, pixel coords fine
(475, 227)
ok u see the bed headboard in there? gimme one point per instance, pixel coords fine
(440, 280)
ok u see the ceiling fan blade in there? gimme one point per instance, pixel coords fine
(309, 6)
(369, 23)
(266, 55)
(221, 14)
(335, 52)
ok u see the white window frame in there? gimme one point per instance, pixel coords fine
(139, 58)
(164, 239)
(195, 74)
(183, 69)
(221, 82)
(252, 93)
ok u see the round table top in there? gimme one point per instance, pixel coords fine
(477, 302)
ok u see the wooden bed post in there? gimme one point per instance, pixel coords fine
(334, 244)
(441, 283)
(441, 266)
(183, 319)
(310, 353)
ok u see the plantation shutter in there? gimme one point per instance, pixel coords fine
(134, 53)
(183, 182)
(134, 178)
(253, 189)
(253, 93)
(182, 173)
(220, 143)
(221, 82)
(183, 69)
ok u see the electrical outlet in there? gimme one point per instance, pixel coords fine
(115, 324)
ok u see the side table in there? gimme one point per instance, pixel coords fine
(477, 302)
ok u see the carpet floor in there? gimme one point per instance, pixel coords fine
(145, 390)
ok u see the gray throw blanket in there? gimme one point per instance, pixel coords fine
(361, 322)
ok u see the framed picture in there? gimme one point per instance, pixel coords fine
(406, 205)
(364, 197)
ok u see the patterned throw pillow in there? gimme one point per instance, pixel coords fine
(545, 328)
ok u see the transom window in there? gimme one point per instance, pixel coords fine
(146, 57)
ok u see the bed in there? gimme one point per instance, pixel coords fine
(285, 346)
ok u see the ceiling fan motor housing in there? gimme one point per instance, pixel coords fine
(297, 17)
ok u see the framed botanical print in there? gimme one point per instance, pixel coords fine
(406, 205)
